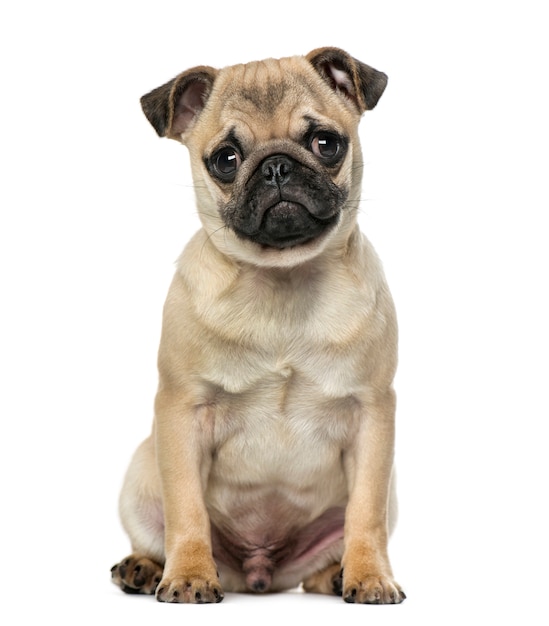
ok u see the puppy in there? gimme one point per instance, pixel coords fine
(270, 460)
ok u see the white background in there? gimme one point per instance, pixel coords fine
(95, 209)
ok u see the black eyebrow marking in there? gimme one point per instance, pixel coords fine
(233, 140)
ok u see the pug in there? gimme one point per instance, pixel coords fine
(270, 461)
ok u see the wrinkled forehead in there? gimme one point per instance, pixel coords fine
(275, 96)
(265, 85)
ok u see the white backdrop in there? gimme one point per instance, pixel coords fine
(95, 209)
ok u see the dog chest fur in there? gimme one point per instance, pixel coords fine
(325, 321)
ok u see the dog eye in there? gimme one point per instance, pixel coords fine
(225, 163)
(326, 146)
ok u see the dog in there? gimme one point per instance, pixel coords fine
(270, 463)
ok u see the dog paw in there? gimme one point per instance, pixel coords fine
(372, 590)
(327, 581)
(187, 590)
(137, 574)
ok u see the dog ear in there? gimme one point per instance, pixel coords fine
(173, 107)
(359, 82)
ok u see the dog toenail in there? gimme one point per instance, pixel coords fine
(351, 597)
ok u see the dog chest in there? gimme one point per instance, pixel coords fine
(281, 430)
(262, 328)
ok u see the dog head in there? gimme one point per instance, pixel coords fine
(274, 150)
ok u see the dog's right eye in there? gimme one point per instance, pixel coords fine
(225, 163)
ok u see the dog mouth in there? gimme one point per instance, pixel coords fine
(288, 224)
(284, 203)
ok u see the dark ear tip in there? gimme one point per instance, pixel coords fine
(374, 84)
(368, 83)
(155, 106)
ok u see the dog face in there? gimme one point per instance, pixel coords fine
(274, 150)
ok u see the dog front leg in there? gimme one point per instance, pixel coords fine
(367, 575)
(183, 444)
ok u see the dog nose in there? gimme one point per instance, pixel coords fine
(276, 170)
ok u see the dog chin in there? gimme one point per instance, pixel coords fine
(248, 251)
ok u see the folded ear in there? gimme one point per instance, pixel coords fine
(173, 107)
(359, 82)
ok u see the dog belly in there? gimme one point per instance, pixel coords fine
(277, 493)
(270, 554)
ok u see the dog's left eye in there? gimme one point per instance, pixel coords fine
(225, 163)
(326, 146)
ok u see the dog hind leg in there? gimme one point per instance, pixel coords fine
(142, 518)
